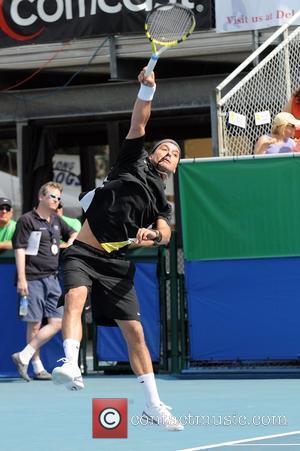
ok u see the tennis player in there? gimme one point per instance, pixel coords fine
(130, 206)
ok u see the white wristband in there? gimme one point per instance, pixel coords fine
(146, 93)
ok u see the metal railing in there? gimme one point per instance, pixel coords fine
(267, 87)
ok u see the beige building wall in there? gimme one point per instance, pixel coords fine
(197, 148)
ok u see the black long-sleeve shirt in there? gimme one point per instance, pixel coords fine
(131, 197)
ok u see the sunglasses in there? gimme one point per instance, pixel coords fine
(5, 208)
(53, 196)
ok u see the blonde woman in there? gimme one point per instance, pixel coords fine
(282, 136)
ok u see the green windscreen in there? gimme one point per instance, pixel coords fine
(244, 208)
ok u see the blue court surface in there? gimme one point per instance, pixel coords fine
(219, 414)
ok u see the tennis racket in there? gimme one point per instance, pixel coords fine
(167, 26)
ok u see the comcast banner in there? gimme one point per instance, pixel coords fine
(41, 21)
(239, 209)
(242, 15)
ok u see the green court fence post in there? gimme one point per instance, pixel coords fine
(183, 325)
(174, 305)
(83, 344)
(162, 278)
(94, 339)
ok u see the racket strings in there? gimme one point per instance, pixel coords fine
(170, 28)
(170, 25)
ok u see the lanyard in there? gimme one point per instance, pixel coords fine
(50, 230)
(54, 246)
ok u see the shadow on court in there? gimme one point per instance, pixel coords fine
(39, 415)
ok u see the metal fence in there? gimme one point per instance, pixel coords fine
(267, 87)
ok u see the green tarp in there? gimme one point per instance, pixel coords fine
(243, 208)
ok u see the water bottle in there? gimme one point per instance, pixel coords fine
(23, 308)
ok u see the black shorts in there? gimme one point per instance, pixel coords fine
(109, 277)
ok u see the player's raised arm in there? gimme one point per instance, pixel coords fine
(142, 107)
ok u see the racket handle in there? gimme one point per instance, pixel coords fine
(151, 65)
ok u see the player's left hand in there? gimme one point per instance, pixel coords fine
(144, 235)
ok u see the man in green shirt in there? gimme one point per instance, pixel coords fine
(7, 224)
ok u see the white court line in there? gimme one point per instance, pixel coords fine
(238, 442)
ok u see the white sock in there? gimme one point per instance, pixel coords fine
(71, 348)
(150, 389)
(26, 354)
(38, 366)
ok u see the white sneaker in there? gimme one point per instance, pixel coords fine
(162, 416)
(69, 375)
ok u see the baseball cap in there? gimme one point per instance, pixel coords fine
(285, 119)
(5, 201)
(167, 140)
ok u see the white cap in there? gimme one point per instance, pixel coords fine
(285, 119)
